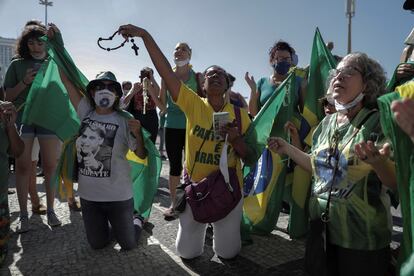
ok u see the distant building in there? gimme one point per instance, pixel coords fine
(7, 51)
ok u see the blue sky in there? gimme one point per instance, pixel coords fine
(235, 34)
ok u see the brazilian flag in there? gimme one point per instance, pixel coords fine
(404, 160)
(264, 181)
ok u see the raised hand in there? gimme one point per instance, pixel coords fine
(8, 113)
(130, 30)
(251, 82)
(370, 154)
(134, 127)
(52, 30)
(278, 145)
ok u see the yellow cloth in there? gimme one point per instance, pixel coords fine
(199, 115)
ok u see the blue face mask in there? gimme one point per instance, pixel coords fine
(281, 67)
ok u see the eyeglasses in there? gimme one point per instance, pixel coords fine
(347, 71)
(110, 86)
(213, 72)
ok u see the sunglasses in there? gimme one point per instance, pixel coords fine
(110, 86)
(347, 71)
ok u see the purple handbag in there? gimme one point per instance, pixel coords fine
(212, 198)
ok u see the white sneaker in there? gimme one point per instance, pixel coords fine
(52, 219)
(24, 225)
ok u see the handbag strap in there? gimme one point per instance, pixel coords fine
(325, 214)
(239, 125)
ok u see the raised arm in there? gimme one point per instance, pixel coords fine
(254, 95)
(160, 61)
(74, 94)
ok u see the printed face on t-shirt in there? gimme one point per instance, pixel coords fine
(94, 148)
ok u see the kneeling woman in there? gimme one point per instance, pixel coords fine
(105, 186)
(203, 151)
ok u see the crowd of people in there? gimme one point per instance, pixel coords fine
(349, 159)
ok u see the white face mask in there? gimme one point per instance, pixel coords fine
(104, 98)
(181, 63)
(343, 108)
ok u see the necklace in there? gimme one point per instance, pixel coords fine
(134, 46)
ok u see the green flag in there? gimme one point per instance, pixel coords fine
(321, 62)
(265, 180)
(404, 160)
(47, 104)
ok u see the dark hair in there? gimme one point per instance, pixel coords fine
(221, 68)
(35, 22)
(280, 46)
(32, 31)
(125, 83)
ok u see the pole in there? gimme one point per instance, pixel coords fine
(349, 33)
(46, 13)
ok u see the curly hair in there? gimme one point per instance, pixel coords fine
(31, 31)
(373, 76)
(280, 46)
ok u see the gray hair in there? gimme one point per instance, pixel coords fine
(373, 76)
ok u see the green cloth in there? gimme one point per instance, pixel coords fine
(404, 159)
(16, 73)
(393, 83)
(48, 104)
(321, 62)
(262, 200)
(175, 117)
(360, 209)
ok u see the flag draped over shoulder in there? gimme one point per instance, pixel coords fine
(47, 104)
(404, 160)
(264, 181)
(321, 62)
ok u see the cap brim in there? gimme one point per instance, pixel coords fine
(93, 82)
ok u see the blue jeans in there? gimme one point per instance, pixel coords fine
(119, 213)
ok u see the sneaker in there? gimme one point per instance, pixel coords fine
(170, 214)
(24, 225)
(39, 210)
(74, 206)
(138, 223)
(52, 219)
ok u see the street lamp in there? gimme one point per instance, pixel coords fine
(46, 3)
(350, 12)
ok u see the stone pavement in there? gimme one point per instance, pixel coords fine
(64, 250)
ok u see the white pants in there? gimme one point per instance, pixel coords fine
(226, 240)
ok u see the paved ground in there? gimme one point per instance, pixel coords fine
(64, 250)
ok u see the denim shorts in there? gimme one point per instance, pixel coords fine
(31, 131)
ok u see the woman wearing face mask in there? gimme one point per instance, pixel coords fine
(105, 186)
(31, 53)
(351, 170)
(199, 113)
(281, 57)
(175, 122)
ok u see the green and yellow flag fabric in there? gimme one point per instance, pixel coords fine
(48, 104)
(404, 160)
(322, 61)
(265, 180)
